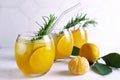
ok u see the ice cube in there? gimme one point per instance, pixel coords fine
(21, 48)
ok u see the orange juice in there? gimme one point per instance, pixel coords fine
(34, 57)
(80, 37)
(63, 44)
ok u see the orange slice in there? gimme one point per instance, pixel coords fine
(41, 60)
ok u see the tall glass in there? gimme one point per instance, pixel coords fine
(80, 37)
(34, 57)
(63, 43)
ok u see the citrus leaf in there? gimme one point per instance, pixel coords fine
(101, 68)
(75, 51)
(112, 59)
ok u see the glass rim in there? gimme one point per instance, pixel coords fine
(60, 30)
(31, 34)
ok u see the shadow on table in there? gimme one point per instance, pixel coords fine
(11, 74)
(64, 73)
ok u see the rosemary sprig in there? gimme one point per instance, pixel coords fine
(44, 29)
(75, 21)
(89, 22)
(79, 20)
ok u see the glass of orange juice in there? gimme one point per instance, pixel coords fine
(80, 37)
(63, 43)
(34, 57)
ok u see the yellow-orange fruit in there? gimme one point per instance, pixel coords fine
(78, 65)
(90, 51)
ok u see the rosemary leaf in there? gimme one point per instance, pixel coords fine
(79, 20)
(47, 25)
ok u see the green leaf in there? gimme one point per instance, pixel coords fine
(101, 68)
(75, 51)
(112, 59)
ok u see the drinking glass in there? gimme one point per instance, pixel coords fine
(80, 37)
(63, 43)
(34, 57)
